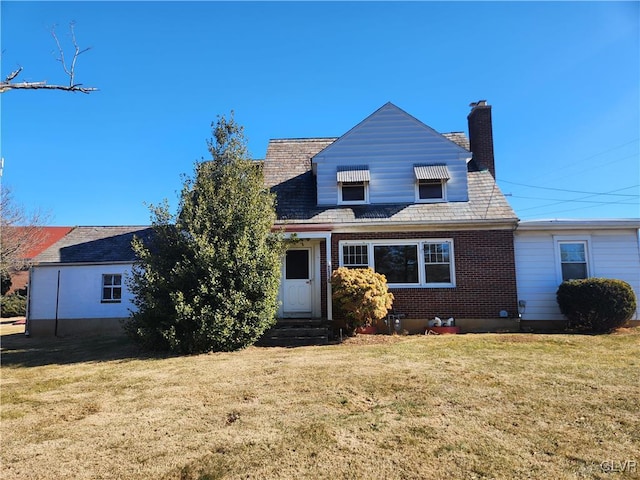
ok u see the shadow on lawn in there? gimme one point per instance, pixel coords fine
(21, 351)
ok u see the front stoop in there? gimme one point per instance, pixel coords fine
(296, 332)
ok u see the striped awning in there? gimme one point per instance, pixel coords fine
(431, 172)
(353, 174)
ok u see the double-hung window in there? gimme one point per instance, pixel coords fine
(112, 288)
(405, 263)
(353, 185)
(573, 260)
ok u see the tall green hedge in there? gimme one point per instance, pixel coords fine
(596, 305)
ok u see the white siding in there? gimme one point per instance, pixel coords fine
(79, 295)
(391, 142)
(612, 254)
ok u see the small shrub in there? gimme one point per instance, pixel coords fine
(361, 296)
(596, 305)
(13, 305)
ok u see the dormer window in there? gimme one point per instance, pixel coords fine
(353, 185)
(431, 182)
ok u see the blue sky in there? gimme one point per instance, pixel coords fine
(563, 80)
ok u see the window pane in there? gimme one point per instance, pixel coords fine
(436, 252)
(353, 192)
(574, 271)
(107, 280)
(399, 263)
(572, 252)
(355, 256)
(297, 265)
(106, 294)
(438, 273)
(429, 189)
(117, 293)
(117, 279)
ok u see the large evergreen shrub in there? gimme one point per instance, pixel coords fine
(209, 279)
(596, 305)
(361, 296)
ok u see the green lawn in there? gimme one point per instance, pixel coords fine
(468, 406)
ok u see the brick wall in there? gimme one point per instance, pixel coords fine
(484, 269)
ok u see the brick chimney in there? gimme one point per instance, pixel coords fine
(481, 136)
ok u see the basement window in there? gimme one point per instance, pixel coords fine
(111, 288)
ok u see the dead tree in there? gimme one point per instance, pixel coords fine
(69, 69)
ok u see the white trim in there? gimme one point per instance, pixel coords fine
(365, 185)
(560, 239)
(595, 224)
(419, 244)
(443, 185)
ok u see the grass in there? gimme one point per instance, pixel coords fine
(467, 406)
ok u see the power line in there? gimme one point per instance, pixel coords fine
(582, 198)
(564, 167)
(570, 191)
(575, 201)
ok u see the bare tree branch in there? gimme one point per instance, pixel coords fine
(70, 70)
(19, 232)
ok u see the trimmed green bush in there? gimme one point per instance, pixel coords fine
(361, 296)
(596, 305)
(13, 305)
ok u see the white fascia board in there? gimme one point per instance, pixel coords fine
(570, 224)
(78, 264)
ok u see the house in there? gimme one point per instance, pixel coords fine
(26, 242)
(391, 194)
(78, 284)
(395, 195)
(551, 251)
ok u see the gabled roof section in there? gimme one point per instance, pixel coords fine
(34, 239)
(401, 121)
(95, 245)
(459, 138)
(287, 171)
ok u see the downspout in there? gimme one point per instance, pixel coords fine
(55, 330)
(28, 319)
(329, 271)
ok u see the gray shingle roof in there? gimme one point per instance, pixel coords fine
(458, 138)
(94, 245)
(287, 171)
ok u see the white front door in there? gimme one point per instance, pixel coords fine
(298, 280)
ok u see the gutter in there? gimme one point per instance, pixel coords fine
(595, 224)
(386, 225)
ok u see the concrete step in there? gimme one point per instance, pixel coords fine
(293, 332)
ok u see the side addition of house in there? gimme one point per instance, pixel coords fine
(393, 194)
(78, 285)
(549, 252)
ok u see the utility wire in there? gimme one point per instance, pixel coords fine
(621, 202)
(570, 191)
(582, 198)
(564, 167)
